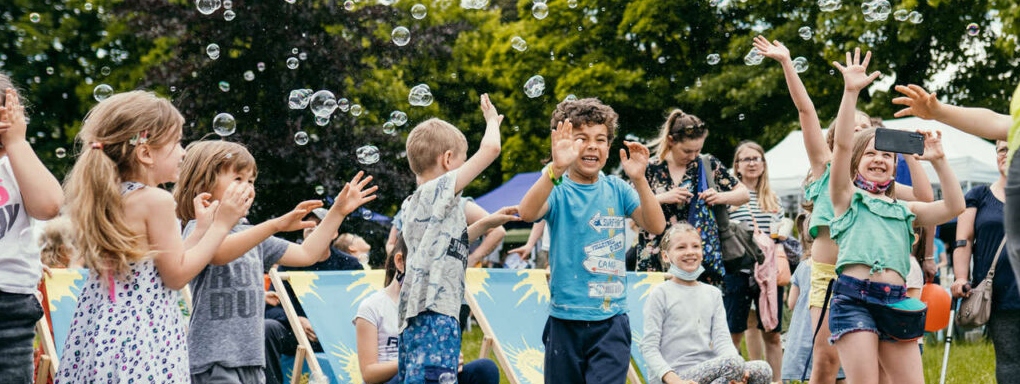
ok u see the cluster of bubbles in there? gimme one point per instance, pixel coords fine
(713, 59)
(299, 98)
(418, 11)
(368, 154)
(207, 7)
(213, 50)
(420, 96)
(876, 10)
(800, 64)
(805, 33)
(401, 36)
(914, 17)
(753, 57)
(102, 91)
(535, 86)
(829, 5)
(540, 9)
(224, 124)
(519, 44)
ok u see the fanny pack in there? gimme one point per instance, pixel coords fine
(902, 320)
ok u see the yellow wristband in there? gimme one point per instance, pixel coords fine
(555, 180)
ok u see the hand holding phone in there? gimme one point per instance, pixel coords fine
(894, 140)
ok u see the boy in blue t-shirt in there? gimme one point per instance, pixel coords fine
(587, 336)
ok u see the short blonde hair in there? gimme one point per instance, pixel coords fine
(429, 140)
(203, 161)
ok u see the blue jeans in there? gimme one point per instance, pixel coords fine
(862, 305)
(481, 371)
(18, 315)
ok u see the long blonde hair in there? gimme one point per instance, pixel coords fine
(767, 199)
(203, 161)
(109, 137)
(680, 127)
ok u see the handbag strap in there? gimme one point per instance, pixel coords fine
(821, 319)
(705, 162)
(991, 271)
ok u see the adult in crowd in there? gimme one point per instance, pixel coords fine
(979, 232)
(763, 211)
(354, 245)
(673, 174)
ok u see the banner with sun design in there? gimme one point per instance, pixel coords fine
(330, 300)
(62, 289)
(639, 285)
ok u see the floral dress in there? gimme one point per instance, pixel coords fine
(657, 174)
(133, 333)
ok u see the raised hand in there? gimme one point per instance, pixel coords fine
(355, 194)
(774, 50)
(489, 111)
(234, 203)
(294, 220)
(12, 119)
(918, 102)
(502, 216)
(932, 146)
(855, 76)
(565, 148)
(634, 165)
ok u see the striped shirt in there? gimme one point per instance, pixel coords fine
(764, 219)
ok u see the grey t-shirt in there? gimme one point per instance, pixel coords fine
(229, 305)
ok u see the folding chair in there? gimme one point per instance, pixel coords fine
(330, 301)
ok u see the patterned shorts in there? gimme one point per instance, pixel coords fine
(429, 349)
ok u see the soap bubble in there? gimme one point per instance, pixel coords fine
(535, 86)
(418, 11)
(292, 62)
(741, 116)
(229, 15)
(519, 44)
(398, 117)
(213, 50)
(805, 33)
(420, 96)
(570, 97)
(301, 138)
(319, 190)
(916, 17)
(389, 127)
(973, 29)
(753, 57)
(901, 15)
(224, 86)
(343, 104)
(249, 75)
(540, 10)
(227, 4)
(105, 71)
(349, 5)
(245, 109)
(321, 121)
(102, 91)
(261, 66)
(61, 152)
(224, 124)
(34, 17)
(299, 98)
(365, 213)
(357, 110)
(829, 5)
(447, 378)
(368, 154)
(401, 36)
(572, 3)
(323, 103)
(207, 7)
(800, 64)
(713, 59)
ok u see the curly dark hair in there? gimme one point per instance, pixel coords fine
(588, 111)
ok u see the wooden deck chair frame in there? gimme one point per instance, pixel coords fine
(304, 349)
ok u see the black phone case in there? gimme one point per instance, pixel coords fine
(894, 140)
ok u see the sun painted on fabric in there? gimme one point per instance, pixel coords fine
(348, 360)
(537, 285)
(476, 281)
(63, 283)
(528, 362)
(648, 281)
(303, 284)
(368, 282)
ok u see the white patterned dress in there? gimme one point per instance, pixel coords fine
(137, 337)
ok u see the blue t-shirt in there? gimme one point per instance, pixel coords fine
(988, 233)
(587, 247)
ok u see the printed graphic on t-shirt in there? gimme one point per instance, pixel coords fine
(8, 213)
(601, 256)
(233, 291)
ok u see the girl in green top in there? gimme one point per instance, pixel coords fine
(874, 234)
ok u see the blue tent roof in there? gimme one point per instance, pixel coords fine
(510, 193)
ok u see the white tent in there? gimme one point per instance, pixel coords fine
(971, 158)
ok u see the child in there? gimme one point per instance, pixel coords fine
(825, 360)
(56, 244)
(874, 233)
(686, 335)
(227, 335)
(376, 321)
(27, 190)
(128, 325)
(435, 231)
(587, 336)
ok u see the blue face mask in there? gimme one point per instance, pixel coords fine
(684, 275)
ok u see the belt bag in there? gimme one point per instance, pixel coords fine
(977, 308)
(903, 320)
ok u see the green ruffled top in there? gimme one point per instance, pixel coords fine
(818, 193)
(881, 234)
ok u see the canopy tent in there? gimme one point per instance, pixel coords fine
(971, 158)
(510, 193)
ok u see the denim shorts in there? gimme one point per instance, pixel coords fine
(861, 305)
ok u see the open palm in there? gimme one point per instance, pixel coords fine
(855, 73)
(565, 149)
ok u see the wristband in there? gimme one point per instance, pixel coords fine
(961, 243)
(555, 180)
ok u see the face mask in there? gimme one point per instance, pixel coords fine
(871, 186)
(399, 277)
(684, 275)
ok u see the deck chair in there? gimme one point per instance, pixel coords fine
(639, 285)
(330, 301)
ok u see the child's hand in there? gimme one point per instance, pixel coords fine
(234, 203)
(918, 101)
(489, 111)
(774, 50)
(634, 166)
(502, 216)
(354, 194)
(855, 75)
(932, 146)
(12, 120)
(293, 220)
(565, 148)
(205, 209)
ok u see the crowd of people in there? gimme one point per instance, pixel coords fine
(852, 272)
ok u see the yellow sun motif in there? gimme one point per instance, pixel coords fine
(528, 362)
(348, 359)
(303, 283)
(476, 282)
(651, 280)
(369, 282)
(537, 283)
(62, 284)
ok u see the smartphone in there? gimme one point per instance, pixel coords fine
(894, 140)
